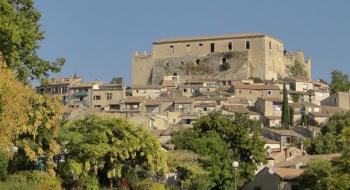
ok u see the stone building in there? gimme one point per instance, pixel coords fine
(59, 87)
(225, 57)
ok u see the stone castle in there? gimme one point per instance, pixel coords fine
(223, 57)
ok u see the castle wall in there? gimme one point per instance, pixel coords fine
(255, 45)
(141, 69)
(275, 65)
(264, 58)
(210, 66)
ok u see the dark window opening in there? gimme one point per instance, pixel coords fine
(174, 74)
(185, 90)
(182, 63)
(172, 49)
(270, 45)
(81, 98)
(205, 109)
(200, 44)
(223, 60)
(167, 64)
(197, 61)
(188, 45)
(212, 48)
(247, 45)
(188, 121)
(230, 46)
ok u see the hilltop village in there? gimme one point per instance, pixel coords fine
(183, 79)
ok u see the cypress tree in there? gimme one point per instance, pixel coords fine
(285, 109)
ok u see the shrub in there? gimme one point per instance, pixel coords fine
(3, 167)
(31, 181)
(148, 184)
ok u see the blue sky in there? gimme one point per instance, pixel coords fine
(97, 38)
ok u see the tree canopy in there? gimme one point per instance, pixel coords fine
(330, 174)
(20, 35)
(297, 70)
(108, 152)
(222, 141)
(340, 82)
(328, 141)
(28, 121)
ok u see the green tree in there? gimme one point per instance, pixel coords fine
(110, 151)
(297, 70)
(29, 122)
(328, 141)
(285, 109)
(340, 82)
(330, 174)
(20, 35)
(222, 141)
(117, 80)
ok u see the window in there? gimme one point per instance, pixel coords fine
(137, 90)
(212, 48)
(223, 60)
(64, 89)
(185, 90)
(269, 92)
(167, 64)
(55, 90)
(270, 45)
(188, 47)
(205, 109)
(81, 98)
(197, 61)
(172, 50)
(182, 63)
(109, 96)
(247, 45)
(175, 74)
(230, 46)
(200, 44)
(97, 97)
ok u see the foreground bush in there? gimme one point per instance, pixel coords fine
(108, 152)
(31, 181)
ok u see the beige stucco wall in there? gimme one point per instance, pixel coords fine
(148, 93)
(340, 99)
(117, 96)
(255, 94)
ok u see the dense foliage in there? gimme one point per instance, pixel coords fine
(29, 123)
(333, 175)
(286, 118)
(20, 35)
(297, 70)
(222, 141)
(328, 141)
(340, 82)
(108, 152)
(31, 181)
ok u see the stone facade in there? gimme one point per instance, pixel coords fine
(236, 56)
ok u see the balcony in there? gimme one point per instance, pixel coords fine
(80, 94)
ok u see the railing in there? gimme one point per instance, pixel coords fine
(80, 94)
